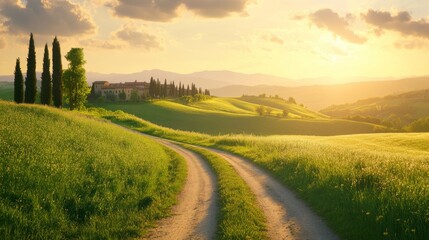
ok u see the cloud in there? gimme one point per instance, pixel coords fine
(166, 10)
(47, 17)
(409, 45)
(158, 11)
(138, 38)
(216, 8)
(104, 44)
(273, 38)
(331, 21)
(400, 22)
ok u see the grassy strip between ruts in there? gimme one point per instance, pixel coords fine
(366, 186)
(240, 216)
(64, 176)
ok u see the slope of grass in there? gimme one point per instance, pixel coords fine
(281, 104)
(240, 216)
(64, 176)
(404, 108)
(229, 105)
(366, 186)
(213, 121)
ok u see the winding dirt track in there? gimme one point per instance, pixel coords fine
(287, 216)
(195, 215)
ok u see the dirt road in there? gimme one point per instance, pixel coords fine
(195, 215)
(287, 216)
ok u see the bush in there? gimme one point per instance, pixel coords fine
(420, 125)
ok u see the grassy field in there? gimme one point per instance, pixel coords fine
(366, 186)
(233, 116)
(64, 176)
(240, 216)
(6, 91)
(278, 103)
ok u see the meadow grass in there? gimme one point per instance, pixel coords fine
(370, 186)
(65, 176)
(6, 91)
(281, 104)
(209, 118)
(240, 216)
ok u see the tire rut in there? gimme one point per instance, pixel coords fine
(195, 214)
(287, 216)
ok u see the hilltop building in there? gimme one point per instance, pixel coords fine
(104, 88)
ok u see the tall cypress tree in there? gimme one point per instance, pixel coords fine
(46, 93)
(57, 73)
(19, 83)
(31, 80)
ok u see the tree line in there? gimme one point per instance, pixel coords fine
(69, 84)
(159, 90)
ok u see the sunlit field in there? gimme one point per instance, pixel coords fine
(234, 116)
(365, 186)
(64, 176)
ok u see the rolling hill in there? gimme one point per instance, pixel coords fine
(65, 176)
(405, 107)
(321, 96)
(235, 116)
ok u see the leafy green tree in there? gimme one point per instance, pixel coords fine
(122, 95)
(111, 97)
(134, 96)
(75, 85)
(46, 93)
(292, 100)
(18, 83)
(31, 80)
(285, 112)
(57, 73)
(260, 110)
(268, 111)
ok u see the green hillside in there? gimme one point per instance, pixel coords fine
(233, 116)
(399, 109)
(6, 91)
(65, 176)
(377, 182)
(279, 103)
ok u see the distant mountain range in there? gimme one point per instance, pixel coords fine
(212, 79)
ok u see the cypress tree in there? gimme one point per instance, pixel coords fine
(31, 80)
(19, 83)
(57, 73)
(165, 92)
(152, 87)
(158, 88)
(46, 93)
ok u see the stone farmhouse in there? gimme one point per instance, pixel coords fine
(103, 88)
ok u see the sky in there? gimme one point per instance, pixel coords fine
(287, 38)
